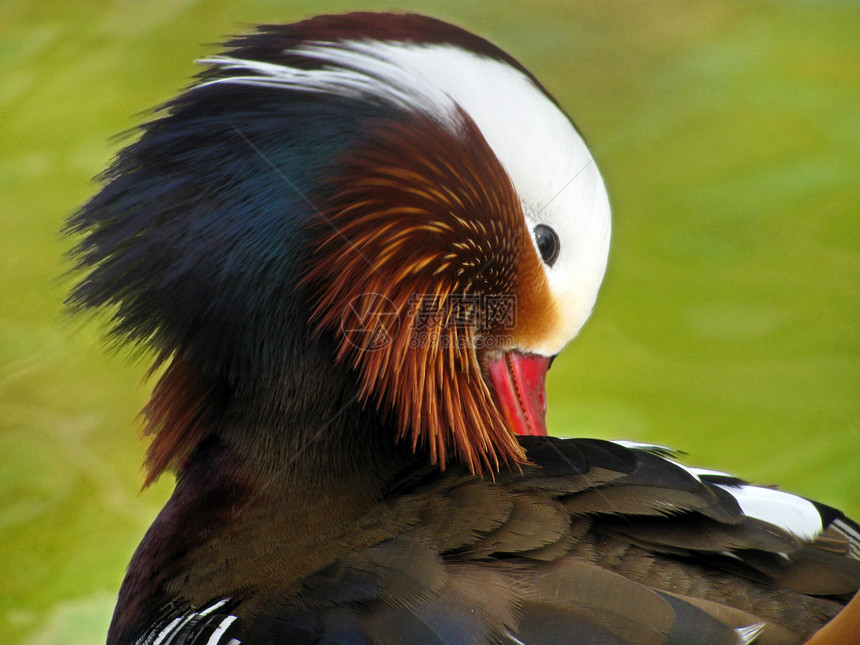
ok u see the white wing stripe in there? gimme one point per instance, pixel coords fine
(791, 513)
(166, 635)
(169, 629)
(212, 607)
(215, 638)
(850, 534)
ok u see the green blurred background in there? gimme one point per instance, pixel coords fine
(729, 136)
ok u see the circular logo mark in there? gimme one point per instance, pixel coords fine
(370, 322)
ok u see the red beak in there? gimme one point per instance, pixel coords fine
(518, 384)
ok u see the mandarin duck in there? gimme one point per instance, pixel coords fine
(353, 247)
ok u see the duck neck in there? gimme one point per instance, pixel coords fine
(330, 444)
(294, 418)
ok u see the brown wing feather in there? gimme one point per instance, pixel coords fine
(451, 557)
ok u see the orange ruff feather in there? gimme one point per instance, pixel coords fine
(419, 214)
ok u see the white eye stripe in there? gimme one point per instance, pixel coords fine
(347, 82)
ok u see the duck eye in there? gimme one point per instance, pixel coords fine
(547, 243)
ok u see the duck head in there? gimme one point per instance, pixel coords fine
(376, 204)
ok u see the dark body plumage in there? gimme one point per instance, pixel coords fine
(547, 555)
(310, 506)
